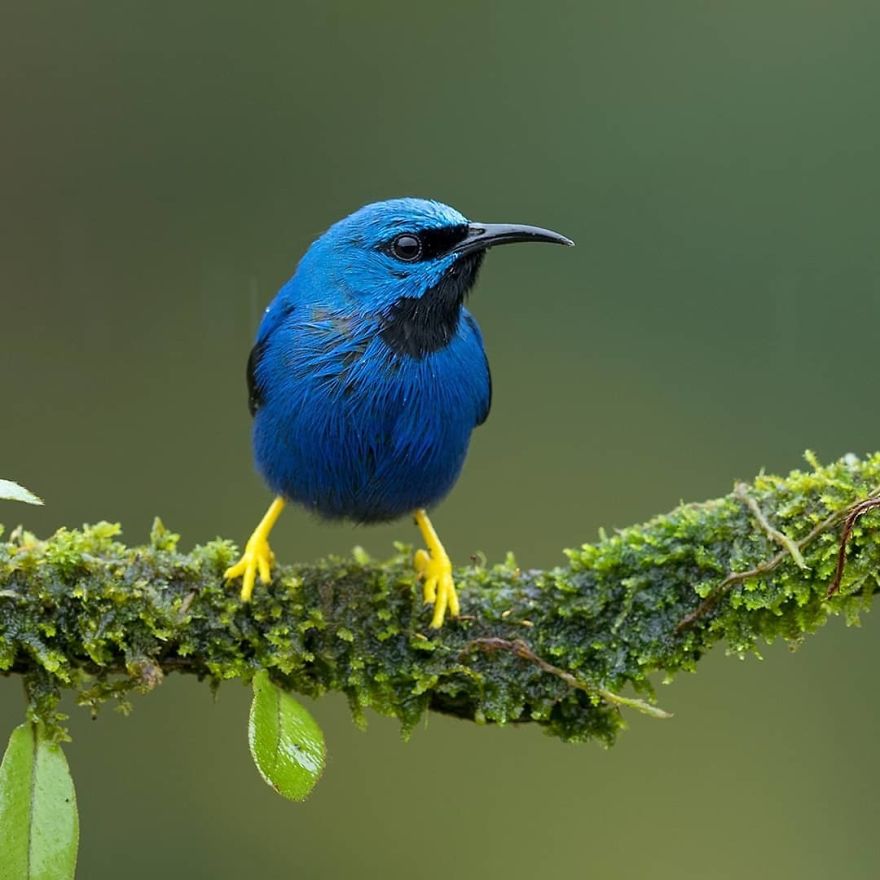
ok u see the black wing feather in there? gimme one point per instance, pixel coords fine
(280, 312)
(255, 391)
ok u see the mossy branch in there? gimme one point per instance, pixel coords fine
(558, 647)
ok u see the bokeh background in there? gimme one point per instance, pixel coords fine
(163, 166)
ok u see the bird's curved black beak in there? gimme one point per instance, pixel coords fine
(481, 236)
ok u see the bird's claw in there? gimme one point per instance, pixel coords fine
(439, 588)
(257, 558)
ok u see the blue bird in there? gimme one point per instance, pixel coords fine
(368, 376)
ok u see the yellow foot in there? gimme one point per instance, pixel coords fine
(435, 570)
(257, 556)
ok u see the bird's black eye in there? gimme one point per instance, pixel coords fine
(406, 247)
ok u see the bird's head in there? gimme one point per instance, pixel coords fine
(406, 259)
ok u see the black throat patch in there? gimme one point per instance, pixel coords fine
(419, 325)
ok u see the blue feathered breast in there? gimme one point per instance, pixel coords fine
(351, 429)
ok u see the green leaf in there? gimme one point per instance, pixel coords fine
(39, 826)
(286, 742)
(10, 491)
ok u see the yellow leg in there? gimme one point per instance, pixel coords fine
(257, 556)
(435, 569)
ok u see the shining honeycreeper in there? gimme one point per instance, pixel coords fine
(368, 376)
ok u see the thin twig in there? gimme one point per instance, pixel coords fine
(855, 514)
(742, 492)
(766, 567)
(522, 649)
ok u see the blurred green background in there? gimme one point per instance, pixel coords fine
(163, 166)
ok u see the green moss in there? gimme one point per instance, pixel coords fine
(559, 648)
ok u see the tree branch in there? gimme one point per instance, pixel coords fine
(82, 611)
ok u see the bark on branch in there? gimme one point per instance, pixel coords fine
(570, 648)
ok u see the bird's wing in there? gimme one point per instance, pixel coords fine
(255, 390)
(486, 402)
(278, 312)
